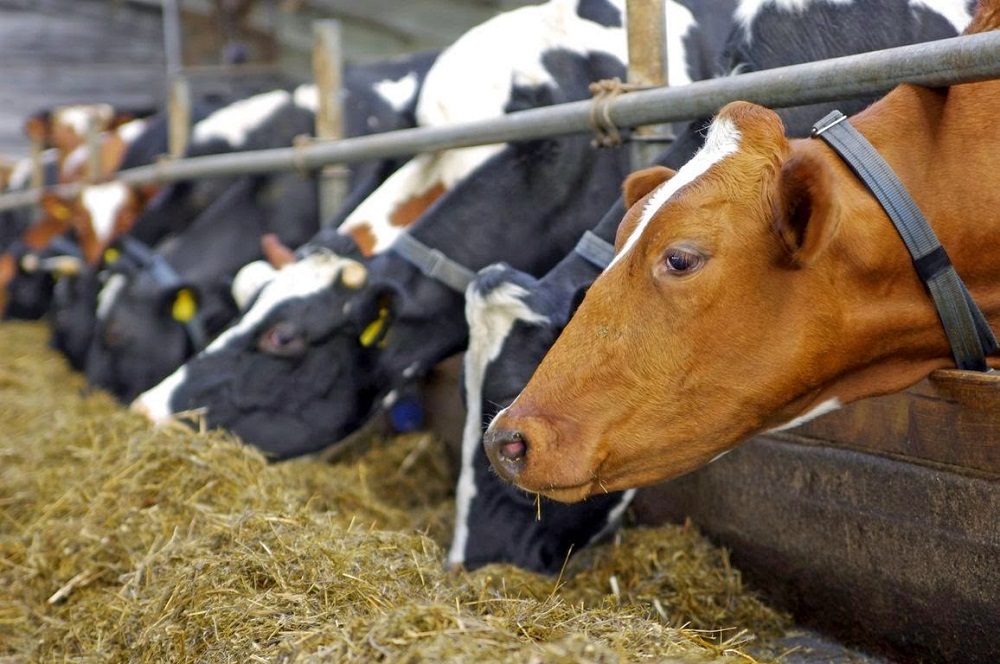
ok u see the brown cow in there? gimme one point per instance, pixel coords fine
(759, 286)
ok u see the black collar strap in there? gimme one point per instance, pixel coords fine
(597, 252)
(433, 263)
(165, 276)
(968, 332)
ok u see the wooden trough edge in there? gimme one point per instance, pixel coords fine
(878, 524)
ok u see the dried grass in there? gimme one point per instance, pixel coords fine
(121, 542)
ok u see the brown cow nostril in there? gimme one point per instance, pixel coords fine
(511, 446)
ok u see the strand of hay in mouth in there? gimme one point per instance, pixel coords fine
(121, 542)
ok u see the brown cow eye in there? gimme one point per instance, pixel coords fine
(283, 340)
(679, 261)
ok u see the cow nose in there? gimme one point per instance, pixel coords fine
(507, 450)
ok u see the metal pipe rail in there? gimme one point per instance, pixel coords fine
(962, 59)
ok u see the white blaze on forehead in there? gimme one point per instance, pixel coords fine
(155, 402)
(75, 159)
(723, 140)
(306, 96)
(414, 178)
(104, 202)
(234, 122)
(305, 277)
(399, 93)
(825, 407)
(490, 317)
(108, 295)
(955, 12)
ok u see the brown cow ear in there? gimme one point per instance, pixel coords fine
(37, 129)
(640, 183)
(806, 215)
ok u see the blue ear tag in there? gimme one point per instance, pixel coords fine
(407, 414)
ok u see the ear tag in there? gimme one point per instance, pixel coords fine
(111, 255)
(61, 212)
(185, 306)
(375, 329)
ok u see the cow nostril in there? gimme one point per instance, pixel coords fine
(512, 446)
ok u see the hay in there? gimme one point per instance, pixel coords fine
(123, 542)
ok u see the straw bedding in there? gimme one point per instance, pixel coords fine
(121, 542)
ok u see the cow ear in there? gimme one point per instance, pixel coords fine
(276, 253)
(639, 184)
(806, 215)
(37, 128)
(249, 281)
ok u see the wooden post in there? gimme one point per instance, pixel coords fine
(178, 115)
(93, 142)
(328, 68)
(647, 65)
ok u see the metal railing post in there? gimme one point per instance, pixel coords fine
(647, 66)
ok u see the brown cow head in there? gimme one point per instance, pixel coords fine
(734, 305)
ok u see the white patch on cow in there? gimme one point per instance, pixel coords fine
(108, 295)
(78, 117)
(399, 93)
(155, 402)
(234, 123)
(306, 96)
(490, 317)
(249, 280)
(723, 140)
(680, 21)
(827, 406)
(132, 130)
(413, 178)
(955, 12)
(103, 202)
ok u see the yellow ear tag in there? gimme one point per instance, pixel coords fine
(185, 307)
(61, 212)
(111, 255)
(374, 329)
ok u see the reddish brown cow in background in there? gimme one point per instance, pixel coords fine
(759, 286)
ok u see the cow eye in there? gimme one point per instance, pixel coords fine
(283, 339)
(679, 261)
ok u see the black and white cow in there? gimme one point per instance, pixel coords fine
(514, 318)
(377, 96)
(390, 328)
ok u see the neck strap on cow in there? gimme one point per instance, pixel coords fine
(433, 263)
(165, 276)
(968, 332)
(595, 250)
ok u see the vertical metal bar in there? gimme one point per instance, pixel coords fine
(178, 115)
(172, 46)
(328, 66)
(37, 163)
(178, 91)
(647, 65)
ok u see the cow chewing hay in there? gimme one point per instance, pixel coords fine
(122, 542)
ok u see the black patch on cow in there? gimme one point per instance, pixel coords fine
(599, 11)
